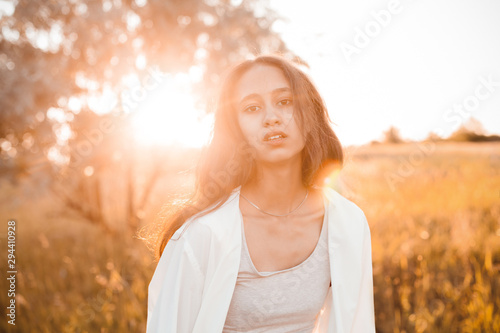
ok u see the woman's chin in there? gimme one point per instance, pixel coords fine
(271, 158)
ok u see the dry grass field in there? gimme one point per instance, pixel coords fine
(434, 213)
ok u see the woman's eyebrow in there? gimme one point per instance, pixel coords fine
(274, 92)
(279, 90)
(247, 97)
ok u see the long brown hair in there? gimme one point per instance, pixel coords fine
(228, 160)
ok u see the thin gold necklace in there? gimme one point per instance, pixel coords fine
(263, 211)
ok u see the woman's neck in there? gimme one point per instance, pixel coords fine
(276, 188)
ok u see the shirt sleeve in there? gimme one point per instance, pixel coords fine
(364, 317)
(176, 289)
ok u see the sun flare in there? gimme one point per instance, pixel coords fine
(168, 116)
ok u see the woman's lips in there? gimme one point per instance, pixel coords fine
(274, 136)
(275, 140)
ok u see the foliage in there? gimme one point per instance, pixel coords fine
(69, 67)
(471, 131)
(392, 135)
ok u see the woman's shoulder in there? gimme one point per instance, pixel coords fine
(192, 228)
(343, 206)
(208, 222)
(340, 200)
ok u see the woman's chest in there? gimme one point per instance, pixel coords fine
(275, 246)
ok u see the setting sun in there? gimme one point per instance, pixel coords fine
(168, 116)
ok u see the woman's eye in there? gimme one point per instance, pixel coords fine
(285, 101)
(251, 108)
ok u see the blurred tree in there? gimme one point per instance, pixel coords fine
(473, 131)
(433, 137)
(59, 58)
(392, 136)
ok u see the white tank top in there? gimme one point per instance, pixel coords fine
(288, 300)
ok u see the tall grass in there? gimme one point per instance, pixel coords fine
(435, 235)
(435, 243)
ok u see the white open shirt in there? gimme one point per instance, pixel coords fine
(193, 283)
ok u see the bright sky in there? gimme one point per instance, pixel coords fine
(425, 68)
(419, 65)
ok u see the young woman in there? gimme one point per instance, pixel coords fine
(263, 245)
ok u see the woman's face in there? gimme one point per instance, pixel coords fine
(265, 112)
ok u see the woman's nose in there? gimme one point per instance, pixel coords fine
(272, 115)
